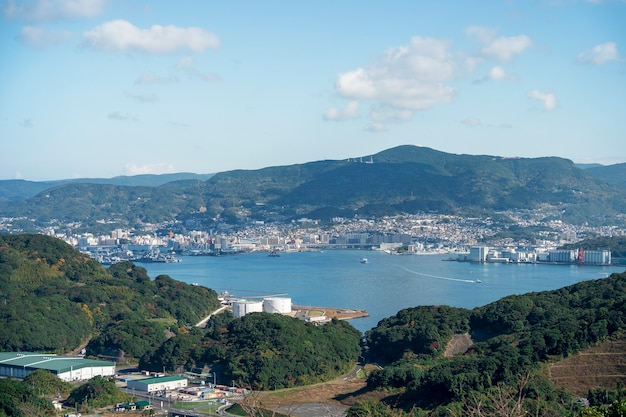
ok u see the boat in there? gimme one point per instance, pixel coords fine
(479, 281)
(364, 261)
(274, 254)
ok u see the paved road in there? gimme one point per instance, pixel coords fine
(202, 322)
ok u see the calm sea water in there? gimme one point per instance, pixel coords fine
(382, 287)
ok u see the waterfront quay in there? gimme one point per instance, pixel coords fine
(310, 313)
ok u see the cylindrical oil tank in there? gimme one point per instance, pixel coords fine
(243, 307)
(281, 305)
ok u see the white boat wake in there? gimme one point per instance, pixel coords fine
(437, 277)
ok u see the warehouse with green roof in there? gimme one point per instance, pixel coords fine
(67, 368)
(162, 383)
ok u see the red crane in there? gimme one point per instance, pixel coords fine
(581, 255)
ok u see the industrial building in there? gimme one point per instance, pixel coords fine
(163, 383)
(478, 253)
(67, 368)
(242, 307)
(575, 256)
(280, 305)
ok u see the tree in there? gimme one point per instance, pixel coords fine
(616, 409)
(97, 392)
(46, 383)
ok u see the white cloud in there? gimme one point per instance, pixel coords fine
(349, 112)
(150, 78)
(157, 168)
(124, 117)
(501, 48)
(471, 121)
(120, 35)
(42, 38)
(187, 65)
(504, 48)
(410, 77)
(143, 98)
(600, 54)
(474, 122)
(481, 34)
(387, 114)
(377, 127)
(497, 73)
(49, 10)
(548, 100)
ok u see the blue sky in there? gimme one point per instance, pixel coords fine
(100, 88)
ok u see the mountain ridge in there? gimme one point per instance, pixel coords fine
(19, 189)
(404, 179)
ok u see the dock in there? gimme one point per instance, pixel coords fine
(328, 312)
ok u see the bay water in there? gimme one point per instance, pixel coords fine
(382, 287)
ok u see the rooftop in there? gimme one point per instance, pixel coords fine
(48, 361)
(159, 379)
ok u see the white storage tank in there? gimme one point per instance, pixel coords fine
(280, 305)
(243, 307)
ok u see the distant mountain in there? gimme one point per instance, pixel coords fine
(587, 166)
(612, 174)
(405, 179)
(15, 190)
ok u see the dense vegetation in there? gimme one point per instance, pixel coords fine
(20, 399)
(263, 351)
(513, 337)
(612, 174)
(44, 281)
(29, 396)
(406, 179)
(16, 190)
(97, 392)
(32, 396)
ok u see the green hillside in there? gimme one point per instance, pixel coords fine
(16, 190)
(514, 339)
(44, 281)
(406, 179)
(612, 174)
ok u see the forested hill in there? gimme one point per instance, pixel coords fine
(405, 179)
(54, 299)
(514, 339)
(16, 190)
(612, 174)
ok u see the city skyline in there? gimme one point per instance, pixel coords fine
(102, 88)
